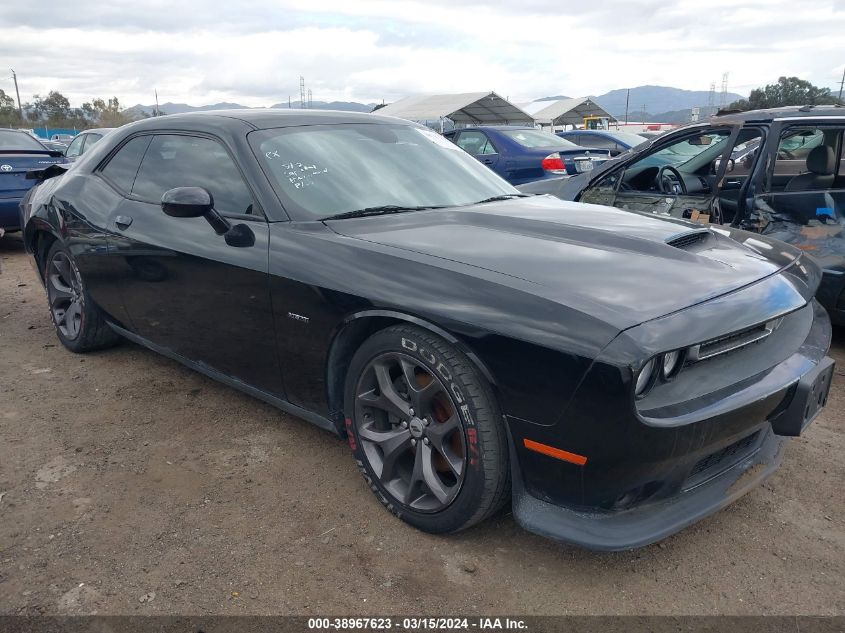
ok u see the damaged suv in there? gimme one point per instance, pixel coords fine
(777, 172)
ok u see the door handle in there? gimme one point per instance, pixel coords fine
(122, 222)
(487, 161)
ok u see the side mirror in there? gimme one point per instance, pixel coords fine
(187, 202)
(196, 202)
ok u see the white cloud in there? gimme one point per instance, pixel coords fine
(253, 52)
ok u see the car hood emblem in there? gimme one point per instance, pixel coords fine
(5, 168)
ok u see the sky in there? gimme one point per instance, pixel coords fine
(253, 51)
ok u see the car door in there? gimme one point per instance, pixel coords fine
(479, 145)
(185, 289)
(647, 182)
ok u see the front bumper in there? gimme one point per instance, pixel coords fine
(615, 531)
(647, 476)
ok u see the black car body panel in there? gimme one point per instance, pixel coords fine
(558, 305)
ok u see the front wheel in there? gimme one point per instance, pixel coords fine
(426, 431)
(79, 324)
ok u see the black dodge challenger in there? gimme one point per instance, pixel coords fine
(615, 377)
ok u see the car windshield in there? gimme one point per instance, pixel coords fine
(536, 138)
(683, 152)
(325, 170)
(11, 140)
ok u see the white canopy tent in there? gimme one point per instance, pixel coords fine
(565, 111)
(475, 108)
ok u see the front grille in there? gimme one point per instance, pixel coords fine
(685, 240)
(721, 460)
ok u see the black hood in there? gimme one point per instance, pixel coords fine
(615, 265)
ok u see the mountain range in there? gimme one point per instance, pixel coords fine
(651, 103)
(179, 108)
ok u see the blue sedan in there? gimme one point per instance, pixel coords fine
(613, 141)
(19, 153)
(525, 154)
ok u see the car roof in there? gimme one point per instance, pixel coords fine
(786, 112)
(98, 130)
(498, 128)
(265, 118)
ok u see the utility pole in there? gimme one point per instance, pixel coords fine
(643, 119)
(723, 96)
(301, 91)
(156, 110)
(841, 84)
(18, 93)
(627, 98)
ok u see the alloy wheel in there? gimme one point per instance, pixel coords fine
(64, 293)
(410, 431)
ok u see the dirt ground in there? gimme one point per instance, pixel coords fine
(132, 485)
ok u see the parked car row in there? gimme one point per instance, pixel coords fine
(22, 152)
(525, 154)
(613, 376)
(614, 141)
(19, 154)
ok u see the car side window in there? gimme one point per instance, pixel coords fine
(75, 148)
(190, 161)
(475, 143)
(122, 168)
(794, 149)
(600, 142)
(803, 186)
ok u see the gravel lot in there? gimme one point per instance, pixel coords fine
(131, 485)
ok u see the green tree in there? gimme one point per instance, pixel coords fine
(54, 110)
(8, 112)
(788, 91)
(106, 113)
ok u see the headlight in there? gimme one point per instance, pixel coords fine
(671, 364)
(644, 380)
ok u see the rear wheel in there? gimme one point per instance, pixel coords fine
(79, 324)
(426, 431)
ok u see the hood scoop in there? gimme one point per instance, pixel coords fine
(689, 239)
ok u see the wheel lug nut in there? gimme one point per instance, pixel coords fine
(410, 412)
(404, 424)
(426, 441)
(413, 442)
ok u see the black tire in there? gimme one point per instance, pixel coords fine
(78, 322)
(459, 496)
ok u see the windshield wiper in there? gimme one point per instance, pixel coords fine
(380, 210)
(506, 196)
